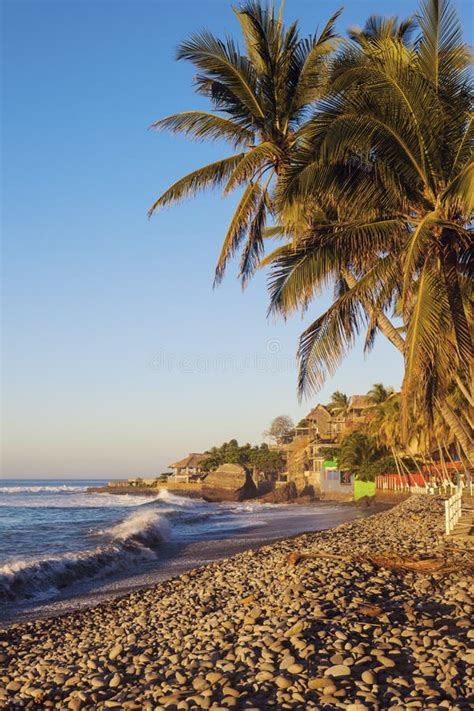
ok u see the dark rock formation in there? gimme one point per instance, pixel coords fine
(230, 482)
(281, 495)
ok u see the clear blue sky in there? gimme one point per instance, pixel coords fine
(117, 355)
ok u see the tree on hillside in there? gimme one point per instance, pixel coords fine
(228, 453)
(260, 101)
(260, 457)
(268, 461)
(329, 452)
(280, 426)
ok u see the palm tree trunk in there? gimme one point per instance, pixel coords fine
(449, 416)
(464, 390)
(458, 315)
(464, 438)
(384, 324)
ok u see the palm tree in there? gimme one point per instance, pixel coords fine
(385, 426)
(388, 160)
(260, 103)
(339, 403)
(378, 393)
(357, 452)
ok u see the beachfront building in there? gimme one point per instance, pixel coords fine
(188, 469)
(327, 426)
(328, 479)
(359, 410)
(304, 446)
(323, 426)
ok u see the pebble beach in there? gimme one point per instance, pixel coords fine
(254, 632)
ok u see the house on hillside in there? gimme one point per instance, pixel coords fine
(359, 410)
(187, 469)
(359, 407)
(303, 447)
(327, 426)
(319, 421)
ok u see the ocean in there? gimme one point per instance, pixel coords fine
(62, 548)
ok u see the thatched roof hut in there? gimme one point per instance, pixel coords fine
(360, 402)
(192, 461)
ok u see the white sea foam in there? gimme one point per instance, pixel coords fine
(77, 498)
(38, 489)
(118, 546)
(147, 526)
(135, 539)
(175, 500)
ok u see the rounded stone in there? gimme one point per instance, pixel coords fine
(368, 677)
(338, 670)
(295, 668)
(115, 652)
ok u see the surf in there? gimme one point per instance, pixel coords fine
(136, 539)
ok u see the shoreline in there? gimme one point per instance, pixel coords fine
(175, 557)
(143, 491)
(381, 498)
(251, 632)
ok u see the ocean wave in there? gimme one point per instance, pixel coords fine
(74, 499)
(38, 489)
(146, 526)
(134, 540)
(176, 500)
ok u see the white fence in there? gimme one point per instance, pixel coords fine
(452, 509)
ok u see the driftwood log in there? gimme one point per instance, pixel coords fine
(392, 561)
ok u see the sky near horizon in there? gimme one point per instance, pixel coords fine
(117, 355)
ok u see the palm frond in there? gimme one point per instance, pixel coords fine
(428, 326)
(416, 250)
(211, 175)
(299, 272)
(441, 39)
(459, 320)
(313, 53)
(328, 339)
(236, 231)
(252, 161)
(252, 22)
(325, 343)
(253, 248)
(460, 191)
(223, 63)
(204, 125)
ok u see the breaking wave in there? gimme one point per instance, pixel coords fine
(107, 549)
(38, 489)
(137, 538)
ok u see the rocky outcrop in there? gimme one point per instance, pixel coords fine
(282, 495)
(230, 482)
